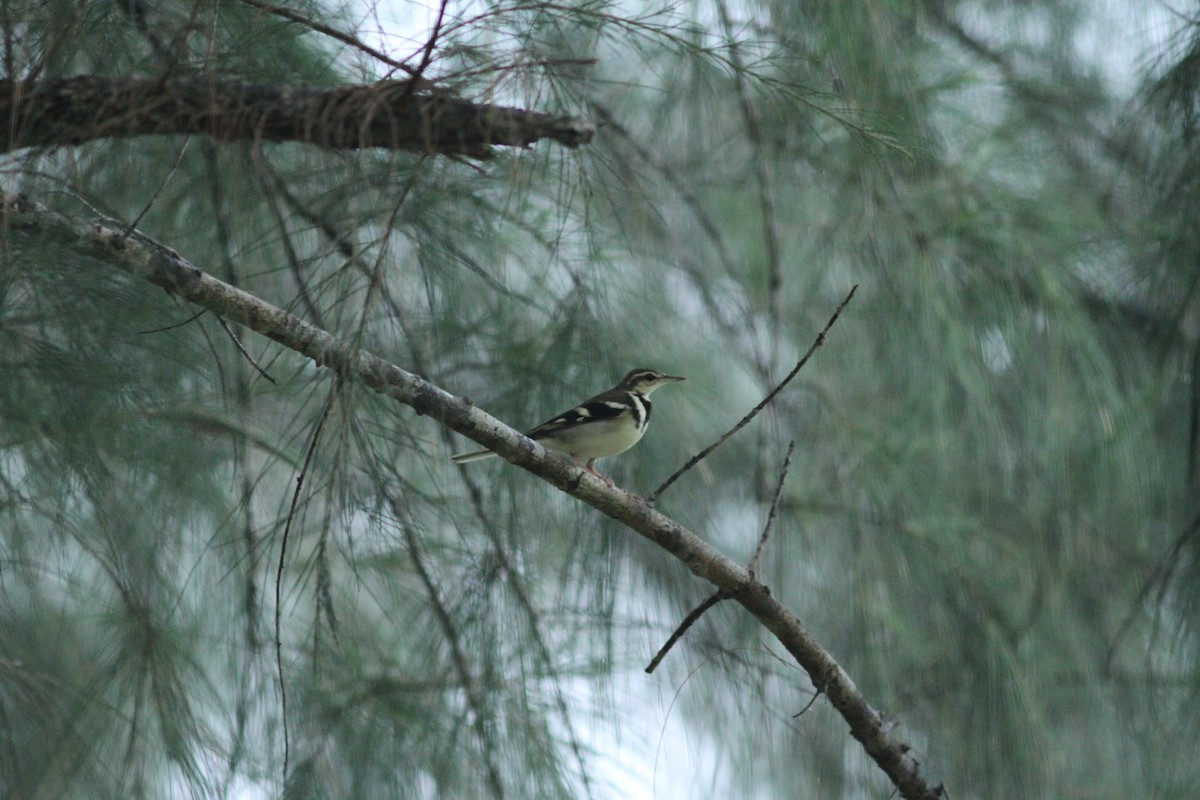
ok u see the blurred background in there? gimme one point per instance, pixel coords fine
(992, 518)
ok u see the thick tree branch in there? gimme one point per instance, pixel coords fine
(137, 255)
(388, 114)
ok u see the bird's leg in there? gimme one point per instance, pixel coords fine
(588, 466)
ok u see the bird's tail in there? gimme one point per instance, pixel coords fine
(478, 455)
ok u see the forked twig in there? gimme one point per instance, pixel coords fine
(725, 594)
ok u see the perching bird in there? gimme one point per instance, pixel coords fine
(604, 425)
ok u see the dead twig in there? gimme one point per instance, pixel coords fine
(693, 616)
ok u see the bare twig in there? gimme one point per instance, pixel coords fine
(514, 578)
(515, 581)
(687, 195)
(150, 203)
(291, 255)
(816, 694)
(770, 225)
(324, 598)
(693, 616)
(766, 192)
(696, 459)
(1160, 578)
(762, 540)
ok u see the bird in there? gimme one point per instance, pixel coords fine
(605, 425)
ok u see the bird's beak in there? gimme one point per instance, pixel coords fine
(673, 378)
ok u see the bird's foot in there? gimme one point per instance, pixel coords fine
(604, 478)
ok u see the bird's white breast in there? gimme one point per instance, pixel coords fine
(597, 439)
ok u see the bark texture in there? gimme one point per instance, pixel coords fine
(390, 114)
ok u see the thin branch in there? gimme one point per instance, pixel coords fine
(708, 225)
(516, 582)
(242, 443)
(270, 184)
(762, 540)
(801, 712)
(334, 33)
(136, 11)
(1160, 578)
(427, 54)
(769, 220)
(150, 203)
(514, 578)
(23, 219)
(174, 325)
(696, 459)
(691, 619)
(241, 349)
(1193, 449)
(324, 594)
(766, 192)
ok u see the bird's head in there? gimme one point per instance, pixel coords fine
(644, 381)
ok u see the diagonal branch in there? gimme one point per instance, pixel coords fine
(744, 421)
(22, 220)
(691, 619)
(387, 114)
(333, 33)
